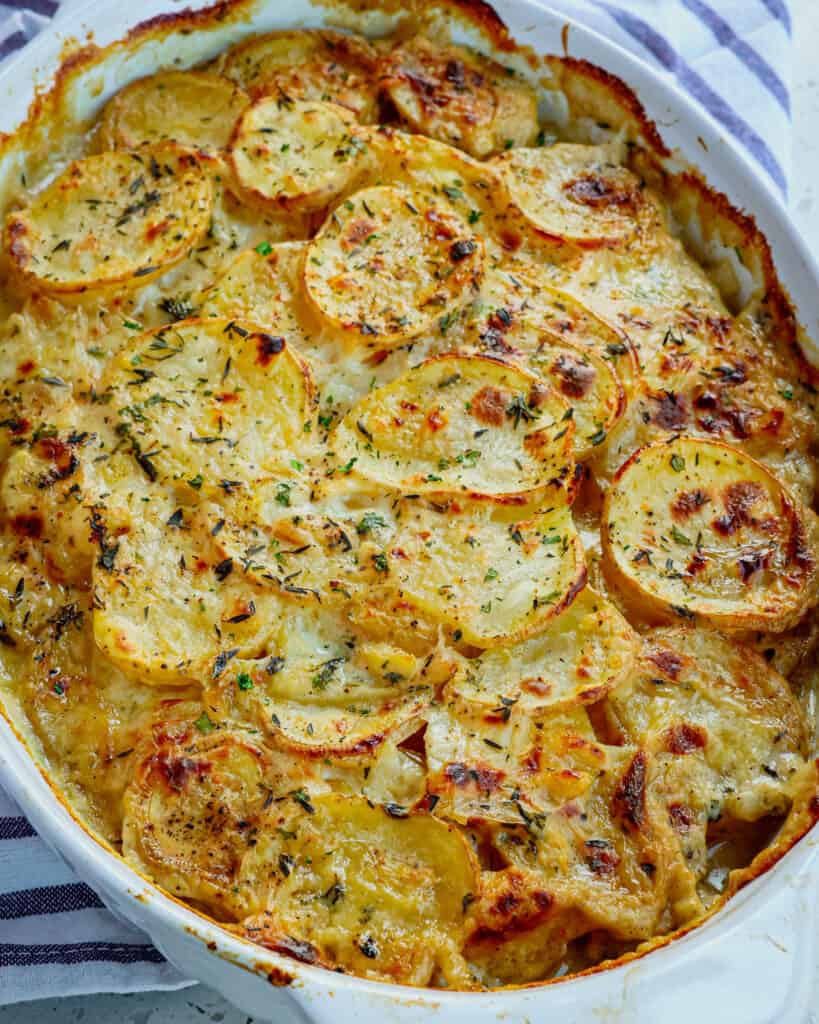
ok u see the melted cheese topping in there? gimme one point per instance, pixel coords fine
(314, 434)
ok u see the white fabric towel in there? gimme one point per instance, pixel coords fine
(732, 56)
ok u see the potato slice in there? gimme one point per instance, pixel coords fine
(460, 425)
(262, 285)
(321, 690)
(700, 695)
(90, 718)
(389, 262)
(505, 765)
(44, 492)
(710, 376)
(308, 64)
(515, 937)
(165, 610)
(309, 558)
(698, 529)
(351, 886)
(487, 582)
(210, 400)
(516, 300)
(786, 652)
(579, 193)
(194, 108)
(754, 417)
(393, 776)
(468, 185)
(30, 596)
(587, 382)
(608, 855)
(578, 658)
(117, 218)
(460, 96)
(675, 343)
(194, 807)
(297, 156)
(385, 773)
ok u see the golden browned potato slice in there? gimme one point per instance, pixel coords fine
(298, 156)
(682, 787)
(390, 262)
(579, 193)
(607, 857)
(309, 558)
(215, 401)
(515, 935)
(262, 285)
(587, 382)
(321, 690)
(515, 301)
(194, 808)
(165, 608)
(195, 108)
(753, 417)
(309, 64)
(712, 376)
(696, 694)
(353, 886)
(44, 492)
(461, 424)
(470, 186)
(577, 659)
(31, 596)
(488, 582)
(90, 718)
(698, 530)
(117, 218)
(505, 764)
(460, 96)
(675, 344)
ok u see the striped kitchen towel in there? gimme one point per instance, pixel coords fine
(730, 55)
(56, 937)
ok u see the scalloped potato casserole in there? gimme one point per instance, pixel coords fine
(408, 548)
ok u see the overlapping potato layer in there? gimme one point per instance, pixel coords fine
(405, 551)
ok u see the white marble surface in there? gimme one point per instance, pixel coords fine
(200, 1005)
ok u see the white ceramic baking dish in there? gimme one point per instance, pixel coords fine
(756, 961)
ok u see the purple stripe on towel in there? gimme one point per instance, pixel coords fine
(16, 41)
(15, 828)
(47, 8)
(47, 899)
(78, 953)
(779, 9)
(665, 53)
(725, 36)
